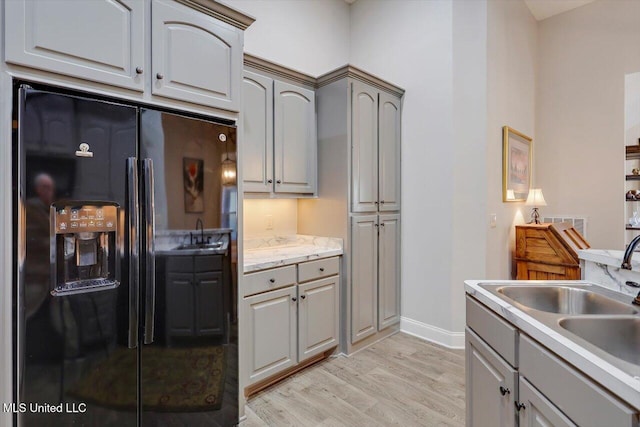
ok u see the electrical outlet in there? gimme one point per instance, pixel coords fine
(493, 219)
(269, 222)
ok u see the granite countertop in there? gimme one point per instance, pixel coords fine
(270, 252)
(618, 382)
(609, 257)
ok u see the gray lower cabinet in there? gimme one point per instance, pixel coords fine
(318, 317)
(541, 390)
(375, 274)
(193, 297)
(273, 338)
(491, 385)
(537, 410)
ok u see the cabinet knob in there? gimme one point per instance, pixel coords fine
(278, 182)
(139, 70)
(382, 202)
(382, 225)
(269, 181)
(159, 76)
(303, 296)
(520, 406)
(375, 203)
(272, 280)
(376, 225)
(504, 391)
(321, 269)
(294, 299)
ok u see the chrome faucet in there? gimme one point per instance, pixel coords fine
(626, 260)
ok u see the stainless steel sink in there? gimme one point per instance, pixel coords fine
(565, 300)
(205, 246)
(618, 336)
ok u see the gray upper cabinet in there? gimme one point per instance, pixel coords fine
(375, 150)
(257, 101)
(364, 280)
(295, 142)
(280, 138)
(490, 386)
(68, 37)
(389, 153)
(195, 57)
(389, 271)
(364, 148)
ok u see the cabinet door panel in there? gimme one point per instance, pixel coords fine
(318, 318)
(257, 109)
(389, 271)
(180, 318)
(295, 141)
(272, 332)
(209, 304)
(364, 278)
(389, 153)
(486, 372)
(364, 148)
(195, 57)
(102, 41)
(538, 410)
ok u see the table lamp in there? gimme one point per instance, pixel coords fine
(535, 199)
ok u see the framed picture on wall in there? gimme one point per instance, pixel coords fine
(517, 162)
(193, 184)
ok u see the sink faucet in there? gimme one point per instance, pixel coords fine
(626, 260)
(199, 222)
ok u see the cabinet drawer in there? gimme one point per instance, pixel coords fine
(205, 263)
(318, 269)
(269, 280)
(582, 400)
(500, 335)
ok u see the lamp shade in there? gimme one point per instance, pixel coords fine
(535, 198)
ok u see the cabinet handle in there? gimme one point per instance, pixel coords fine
(139, 70)
(382, 202)
(375, 203)
(303, 296)
(272, 280)
(278, 182)
(382, 225)
(294, 299)
(376, 225)
(159, 76)
(321, 269)
(504, 391)
(269, 181)
(520, 406)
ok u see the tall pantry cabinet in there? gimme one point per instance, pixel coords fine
(359, 198)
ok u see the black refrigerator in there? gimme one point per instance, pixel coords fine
(125, 221)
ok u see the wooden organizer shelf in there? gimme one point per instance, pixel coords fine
(632, 152)
(548, 251)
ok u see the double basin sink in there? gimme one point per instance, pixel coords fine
(603, 321)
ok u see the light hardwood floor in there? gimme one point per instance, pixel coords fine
(401, 380)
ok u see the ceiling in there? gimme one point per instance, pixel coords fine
(543, 9)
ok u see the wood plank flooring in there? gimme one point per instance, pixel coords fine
(401, 381)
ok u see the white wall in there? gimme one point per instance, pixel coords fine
(583, 57)
(308, 36)
(409, 43)
(283, 213)
(511, 78)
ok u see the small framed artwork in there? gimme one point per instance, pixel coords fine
(193, 185)
(517, 163)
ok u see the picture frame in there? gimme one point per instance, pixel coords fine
(193, 176)
(517, 164)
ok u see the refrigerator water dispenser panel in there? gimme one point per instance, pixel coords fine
(84, 247)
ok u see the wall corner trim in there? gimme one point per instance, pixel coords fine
(432, 333)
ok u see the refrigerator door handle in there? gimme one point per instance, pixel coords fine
(150, 261)
(132, 231)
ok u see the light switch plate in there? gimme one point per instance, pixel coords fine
(493, 219)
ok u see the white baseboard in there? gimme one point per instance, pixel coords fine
(432, 333)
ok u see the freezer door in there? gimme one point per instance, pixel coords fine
(189, 356)
(74, 349)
